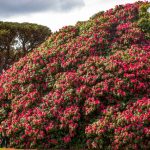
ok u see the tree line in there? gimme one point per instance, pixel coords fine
(17, 39)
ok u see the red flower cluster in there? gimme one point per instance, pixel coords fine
(122, 128)
(86, 84)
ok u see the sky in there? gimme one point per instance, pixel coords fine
(54, 13)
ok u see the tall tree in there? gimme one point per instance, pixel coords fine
(7, 39)
(31, 35)
(16, 38)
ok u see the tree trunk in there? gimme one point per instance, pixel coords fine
(7, 56)
(24, 48)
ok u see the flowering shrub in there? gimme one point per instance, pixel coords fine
(87, 85)
(121, 128)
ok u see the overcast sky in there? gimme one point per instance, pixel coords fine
(54, 13)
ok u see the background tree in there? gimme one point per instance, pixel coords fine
(17, 39)
(31, 35)
(7, 40)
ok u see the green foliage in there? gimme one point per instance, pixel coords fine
(97, 15)
(144, 21)
(84, 26)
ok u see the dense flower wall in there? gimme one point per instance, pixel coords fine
(87, 86)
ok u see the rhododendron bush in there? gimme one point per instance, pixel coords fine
(119, 127)
(87, 86)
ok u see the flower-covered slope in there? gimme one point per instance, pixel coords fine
(87, 86)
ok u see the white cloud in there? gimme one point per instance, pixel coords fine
(13, 7)
(59, 19)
